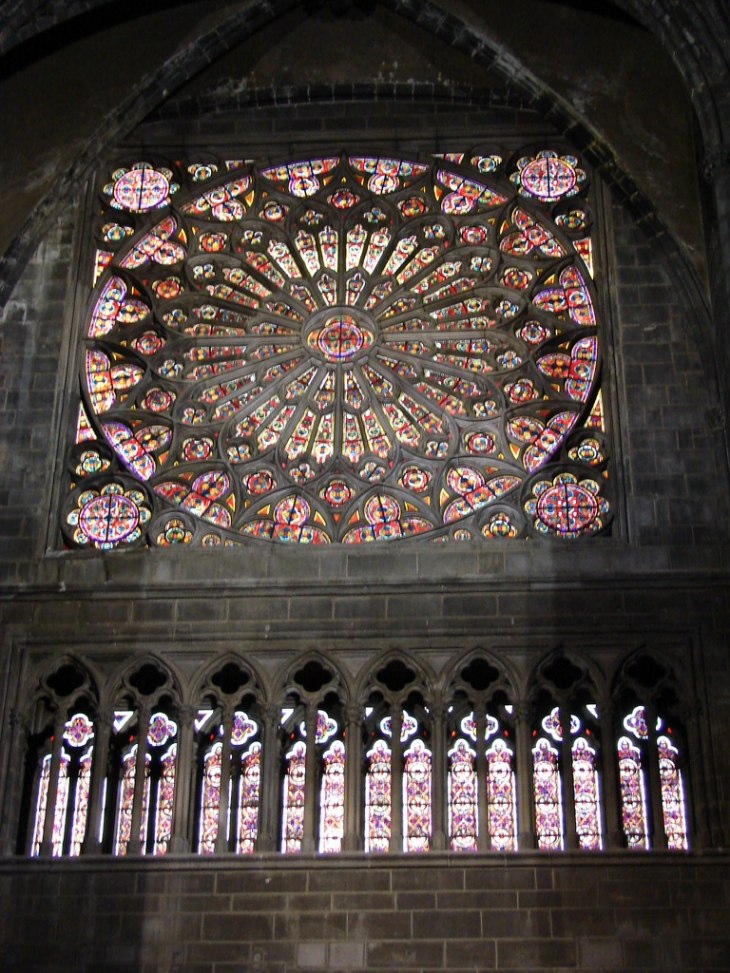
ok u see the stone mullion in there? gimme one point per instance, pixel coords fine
(353, 778)
(99, 766)
(236, 769)
(566, 777)
(180, 840)
(610, 803)
(396, 782)
(480, 723)
(47, 842)
(221, 840)
(696, 808)
(438, 778)
(525, 795)
(309, 834)
(267, 793)
(655, 784)
(137, 842)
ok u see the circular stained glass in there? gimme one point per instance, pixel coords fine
(109, 518)
(365, 353)
(141, 189)
(567, 507)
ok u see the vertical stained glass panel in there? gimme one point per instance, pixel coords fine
(210, 800)
(81, 805)
(501, 797)
(417, 797)
(673, 810)
(292, 829)
(125, 805)
(463, 790)
(165, 800)
(548, 797)
(585, 791)
(332, 799)
(249, 786)
(633, 794)
(378, 798)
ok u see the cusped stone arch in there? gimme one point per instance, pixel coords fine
(61, 687)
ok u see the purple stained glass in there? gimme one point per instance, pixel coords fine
(79, 730)
(469, 726)
(125, 803)
(141, 189)
(501, 797)
(161, 729)
(332, 799)
(551, 724)
(635, 723)
(292, 828)
(417, 797)
(243, 729)
(210, 799)
(249, 787)
(59, 812)
(585, 793)
(567, 508)
(463, 793)
(378, 807)
(409, 726)
(633, 795)
(673, 809)
(165, 801)
(548, 178)
(548, 797)
(109, 518)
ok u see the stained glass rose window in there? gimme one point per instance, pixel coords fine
(341, 349)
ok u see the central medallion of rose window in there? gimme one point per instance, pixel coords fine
(341, 349)
(340, 338)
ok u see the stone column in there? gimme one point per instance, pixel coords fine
(221, 841)
(659, 841)
(268, 795)
(180, 840)
(566, 776)
(609, 765)
(99, 769)
(311, 804)
(17, 754)
(525, 796)
(396, 782)
(439, 777)
(353, 778)
(136, 843)
(47, 843)
(696, 808)
(480, 723)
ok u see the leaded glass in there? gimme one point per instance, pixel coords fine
(59, 812)
(249, 787)
(548, 797)
(292, 828)
(673, 812)
(125, 803)
(378, 800)
(417, 797)
(501, 797)
(463, 821)
(633, 795)
(585, 793)
(210, 798)
(332, 799)
(81, 805)
(341, 349)
(165, 800)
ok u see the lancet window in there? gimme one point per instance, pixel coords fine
(389, 774)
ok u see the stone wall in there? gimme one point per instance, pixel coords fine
(458, 913)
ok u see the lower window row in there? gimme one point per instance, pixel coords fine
(465, 782)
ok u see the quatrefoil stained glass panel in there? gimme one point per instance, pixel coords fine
(341, 349)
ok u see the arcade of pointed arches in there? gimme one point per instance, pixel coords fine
(400, 763)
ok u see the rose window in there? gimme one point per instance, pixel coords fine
(341, 349)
